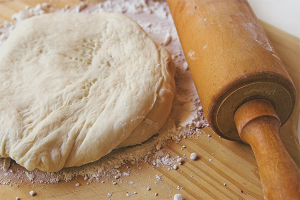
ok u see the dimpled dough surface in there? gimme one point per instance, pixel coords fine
(74, 87)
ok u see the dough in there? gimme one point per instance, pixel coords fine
(76, 86)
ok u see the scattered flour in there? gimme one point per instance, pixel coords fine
(180, 160)
(168, 39)
(191, 54)
(80, 7)
(178, 197)
(158, 177)
(32, 193)
(193, 156)
(186, 117)
(128, 194)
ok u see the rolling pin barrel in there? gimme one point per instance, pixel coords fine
(242, 83)
(231, 60)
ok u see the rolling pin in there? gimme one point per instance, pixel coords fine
(245, 91)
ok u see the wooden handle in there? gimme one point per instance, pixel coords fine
(258, 125)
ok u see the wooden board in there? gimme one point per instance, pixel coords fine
(233, 163)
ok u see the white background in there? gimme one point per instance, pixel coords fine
(283, 14)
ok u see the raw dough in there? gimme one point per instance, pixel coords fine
(73, 87)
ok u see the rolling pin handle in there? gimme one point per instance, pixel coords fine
(258, 125)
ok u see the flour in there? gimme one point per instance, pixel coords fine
(80, 7)
(193, 156)
(32, 193)
(20, 16)
(191, 54)
(178, 197)
(168, 39)
(158, 177)
(186, 118)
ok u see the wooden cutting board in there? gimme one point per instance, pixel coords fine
(232, 163)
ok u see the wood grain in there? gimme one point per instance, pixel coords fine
(232, 163)
(258, 125)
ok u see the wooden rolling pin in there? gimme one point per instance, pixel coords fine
(244, 88)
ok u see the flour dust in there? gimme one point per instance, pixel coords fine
(186, 118)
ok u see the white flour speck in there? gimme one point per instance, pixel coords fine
(191, 54)
(32, 193)
(178, 197)
(193, 156)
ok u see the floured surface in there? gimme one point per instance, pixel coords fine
(73, 94)
(185, 116)
(219, 161)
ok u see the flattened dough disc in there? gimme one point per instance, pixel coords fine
(73, 87)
